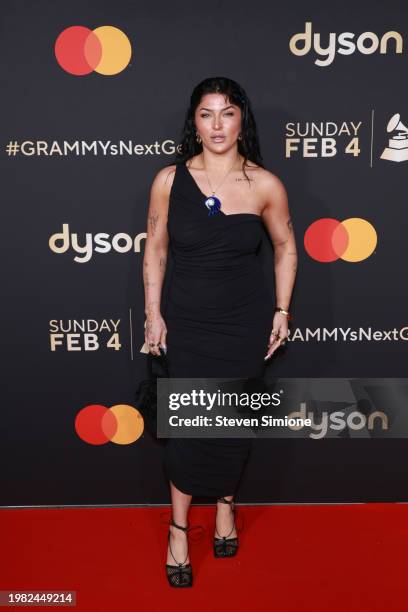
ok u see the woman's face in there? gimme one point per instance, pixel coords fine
(218, 122)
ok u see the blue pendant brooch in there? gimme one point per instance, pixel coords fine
(213, 204)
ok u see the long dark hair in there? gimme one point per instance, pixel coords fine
(248, 145)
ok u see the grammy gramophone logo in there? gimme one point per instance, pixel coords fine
(397, 149)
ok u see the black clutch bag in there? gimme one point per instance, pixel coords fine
(146, 393)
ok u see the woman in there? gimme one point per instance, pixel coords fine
(220, 320)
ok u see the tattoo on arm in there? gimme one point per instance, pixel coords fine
(152, 220)
(290, 228)
(294, 266)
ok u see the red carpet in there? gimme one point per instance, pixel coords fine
(291, 557)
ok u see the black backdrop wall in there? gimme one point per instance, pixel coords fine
(89, 116)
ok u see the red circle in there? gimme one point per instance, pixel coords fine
(326, 239)
(95, 424)
(78, 50)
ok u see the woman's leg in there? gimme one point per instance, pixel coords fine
(179, 545)
(224, 520)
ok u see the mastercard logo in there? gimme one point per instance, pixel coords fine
(105, 50)
(351, 240)
(97, 424)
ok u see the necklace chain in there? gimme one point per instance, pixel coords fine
(213, 191)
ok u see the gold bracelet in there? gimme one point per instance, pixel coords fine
(283, 311)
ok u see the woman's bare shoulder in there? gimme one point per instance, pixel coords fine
(266, 179)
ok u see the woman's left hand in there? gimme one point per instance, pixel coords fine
(279, 333)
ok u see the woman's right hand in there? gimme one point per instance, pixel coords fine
(155, 333)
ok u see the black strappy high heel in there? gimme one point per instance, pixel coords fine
(179, 575)
(224, 546)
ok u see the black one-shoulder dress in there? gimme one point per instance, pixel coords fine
(219, 315)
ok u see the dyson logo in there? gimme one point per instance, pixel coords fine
(84, 248)
(345, 44)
